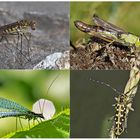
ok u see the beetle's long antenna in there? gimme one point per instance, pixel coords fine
(103, 83)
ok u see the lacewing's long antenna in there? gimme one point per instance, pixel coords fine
(108, 85)
(53, 82)
(48, 91)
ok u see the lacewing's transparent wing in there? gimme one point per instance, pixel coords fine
(11, 105)
(14, 109)
(9, 114)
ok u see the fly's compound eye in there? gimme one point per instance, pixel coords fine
(33, 25)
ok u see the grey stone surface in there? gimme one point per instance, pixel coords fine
(51, 34)
(55, 61)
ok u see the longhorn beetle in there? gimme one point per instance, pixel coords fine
(122, 107)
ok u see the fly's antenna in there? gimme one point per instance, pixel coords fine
(108, 85)
(48, 91)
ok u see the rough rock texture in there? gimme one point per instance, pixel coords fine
(57, 60)
(51, 34)
(99, 55)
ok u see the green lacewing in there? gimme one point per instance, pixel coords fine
(10, 108)
(42, 109)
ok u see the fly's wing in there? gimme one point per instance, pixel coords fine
(13, 106)
(106, 25)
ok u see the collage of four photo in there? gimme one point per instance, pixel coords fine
(69, 69)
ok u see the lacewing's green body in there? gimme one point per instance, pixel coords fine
(10, 108)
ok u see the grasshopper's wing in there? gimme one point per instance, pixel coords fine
(106, 25)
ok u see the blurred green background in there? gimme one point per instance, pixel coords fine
(91, 104)
(26, 87)
(123, 14)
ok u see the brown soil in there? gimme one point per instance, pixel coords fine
(99, 55)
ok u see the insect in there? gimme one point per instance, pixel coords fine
(19, 29)
(41, 109)
(122, 107)
(13, 109)
(109, 32)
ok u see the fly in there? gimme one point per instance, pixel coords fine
(19, 29)
(109, 32)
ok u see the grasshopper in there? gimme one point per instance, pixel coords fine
(109, 33)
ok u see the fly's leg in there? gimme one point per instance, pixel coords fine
(19, 40)
(28, 44)
(7, 47)
(21, 49)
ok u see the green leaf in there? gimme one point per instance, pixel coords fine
(58, 127)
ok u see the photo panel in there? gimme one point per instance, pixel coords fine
(102, 35)
(34, 104)
(34, 35)
(104, 104)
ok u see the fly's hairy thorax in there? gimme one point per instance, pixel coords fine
(16, 27)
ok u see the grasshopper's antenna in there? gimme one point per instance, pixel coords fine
(103, 83)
